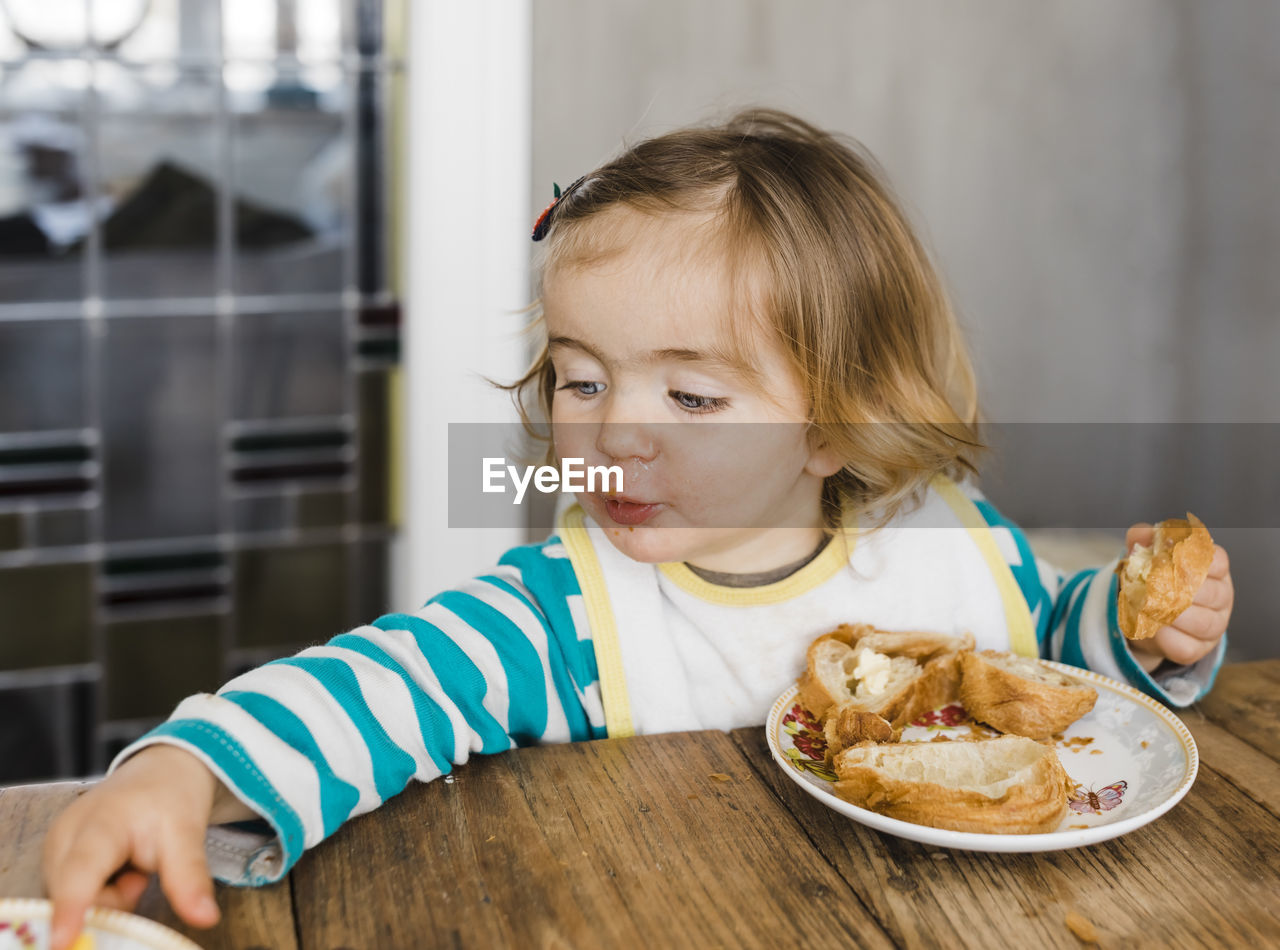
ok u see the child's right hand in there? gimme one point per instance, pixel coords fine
(148, 817)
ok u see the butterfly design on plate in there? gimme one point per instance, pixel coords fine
(1104, 799)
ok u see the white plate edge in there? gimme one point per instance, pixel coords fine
(118, 923)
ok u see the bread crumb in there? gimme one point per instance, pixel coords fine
(1095, 752)
(978, 730)
(1077, 826)
(720, 777)
(490, 838)
(941, 856)
(1081, 927)
(1144, 743)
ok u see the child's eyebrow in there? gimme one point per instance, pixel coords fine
(723, 361)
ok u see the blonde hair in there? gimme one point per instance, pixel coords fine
(847, 291)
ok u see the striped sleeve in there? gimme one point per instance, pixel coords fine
(1075, 620)
(334, 731)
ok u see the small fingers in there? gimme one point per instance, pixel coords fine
(1220, 566)
(1183, 648)
(76, 876)
(1147, 653)
(124, 892)
(126, 888)
(1215, 594)
(184, 876)
(1200, 622)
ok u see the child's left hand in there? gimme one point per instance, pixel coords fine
(1198, 629)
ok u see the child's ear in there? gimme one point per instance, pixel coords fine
(823, 460)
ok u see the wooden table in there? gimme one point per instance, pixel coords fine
(698, 839)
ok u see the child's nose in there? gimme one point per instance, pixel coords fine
(621, 440)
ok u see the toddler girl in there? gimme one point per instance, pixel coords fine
(741, 320)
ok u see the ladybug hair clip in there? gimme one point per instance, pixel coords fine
(543, 224)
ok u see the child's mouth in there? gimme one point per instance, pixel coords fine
(630, 512)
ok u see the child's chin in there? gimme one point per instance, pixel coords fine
(648, 545)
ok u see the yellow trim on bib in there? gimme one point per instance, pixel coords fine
(817, 572)
(1017, 615)
(604, 629)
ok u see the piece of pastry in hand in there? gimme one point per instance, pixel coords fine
(1018, 695)
(1158, 583)
(871, 670)
(1009, 785)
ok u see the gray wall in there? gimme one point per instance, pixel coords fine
(1099, 182)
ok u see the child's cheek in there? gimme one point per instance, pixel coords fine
(722, 459)
(570, 440)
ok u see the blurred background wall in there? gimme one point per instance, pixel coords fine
(1099, 184)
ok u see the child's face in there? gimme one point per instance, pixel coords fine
(718, 470)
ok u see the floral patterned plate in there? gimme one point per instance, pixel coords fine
(1131, 759)
(24, 925)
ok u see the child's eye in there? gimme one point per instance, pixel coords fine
(698, 404)
(582, 388)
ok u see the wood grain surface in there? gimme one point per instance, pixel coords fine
(1246, 702)
(252, 918)
(664, 841)
(1240, 763)
(25, 815)
(700, 840)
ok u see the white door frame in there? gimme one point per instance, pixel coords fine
(465, 265)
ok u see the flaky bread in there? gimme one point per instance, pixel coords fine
(847, 726)
(1158, 583)
(825, 684)
(919, 645)
(834, 672)
(938, 685)
(1009, 785)
(825, 660)
(1018, 695)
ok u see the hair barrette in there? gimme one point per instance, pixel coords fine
(543, 224)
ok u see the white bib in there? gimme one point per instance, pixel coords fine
(677, 653)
